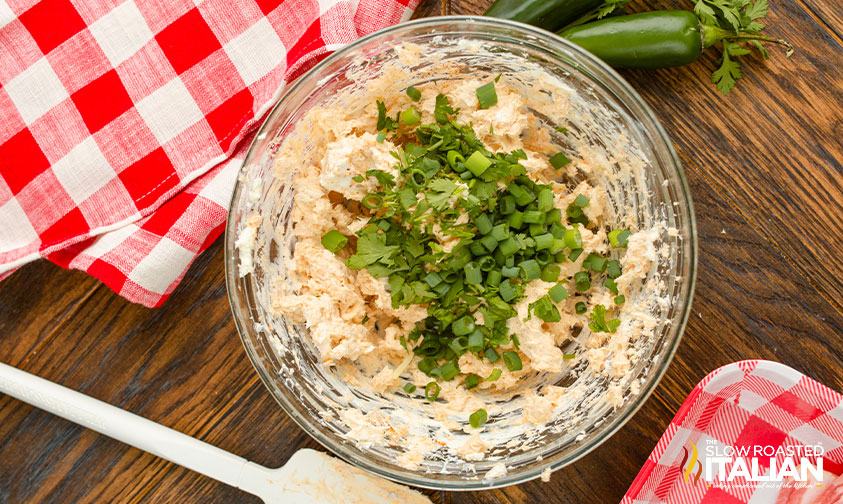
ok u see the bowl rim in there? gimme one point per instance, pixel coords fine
(342, 450)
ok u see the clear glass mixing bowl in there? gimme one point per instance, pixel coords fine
(280, 351)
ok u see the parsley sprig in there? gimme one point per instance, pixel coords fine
(732, 23)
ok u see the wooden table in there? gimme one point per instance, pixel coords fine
(765, 166)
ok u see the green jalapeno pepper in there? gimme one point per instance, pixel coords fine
(548, 14)
(655, 39)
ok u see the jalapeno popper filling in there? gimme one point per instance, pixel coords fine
(471, 261)
(463, 231)
(447, 254)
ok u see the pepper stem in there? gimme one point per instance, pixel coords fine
(714, 34)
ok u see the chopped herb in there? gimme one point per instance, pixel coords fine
(409, 388)
(431, 391)
(478, 418)
(334, 241)
(384, 121)
(414, 93)
(559, 160)
(471, 381)
(512, 361)
(487, 96)
(599, 322)
(619, 238)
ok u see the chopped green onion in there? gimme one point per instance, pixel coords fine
(522, 196)
(611, 285)
(543, 257)
(487, 263)
(449, 371)
(478, 418)
(559, 160)
(472, 381)
(486, 95)
(544, 241)
(512, 361)
(516, 219)
(427, 364)
(613, 268)
(619, 238)
(508, 247)
(580, 308)
(569, 356)
(557, 246)
(620, 300)
(454, 158)
(572, 238)
(493, 278)
(530, 270)
(558, 292)
(496, 373)
(372, 201)
(582, 280)
(550, 273)
(410, 116)
(418, 178)
(553, 216)
(581, 201)
(414, 93)
(500, 232)
(433, 279)
(409, 388)
(381, 137)
(545, 200)
(477, 248)
(507, 205)
(492, 355)
(537, 229)
(489, 242)
(459, 345)
(334, 241)
(431, 391)
(575, 254)
(477, 163)
(475, 341)
(463, 326)
(473, 275)
(507, 291)
(510, 271)
(533, 217)
(515, 341)
(595, 262)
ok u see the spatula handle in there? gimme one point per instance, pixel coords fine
(124, 426)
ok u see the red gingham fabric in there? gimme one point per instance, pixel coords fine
(745, 403)
(123, 122)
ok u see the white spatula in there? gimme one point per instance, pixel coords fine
(308, 477)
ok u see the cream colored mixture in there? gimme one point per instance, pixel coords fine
(348, 313)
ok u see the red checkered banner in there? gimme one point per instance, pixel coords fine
(746, 410)
(123, 123)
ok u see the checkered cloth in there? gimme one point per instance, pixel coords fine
(746, 403)
(122, 123)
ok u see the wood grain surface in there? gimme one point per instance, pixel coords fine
(765, 166)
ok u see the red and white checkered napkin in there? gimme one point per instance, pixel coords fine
(743, 404)
(122, 122)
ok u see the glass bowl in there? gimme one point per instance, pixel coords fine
(281, 352)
